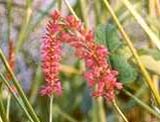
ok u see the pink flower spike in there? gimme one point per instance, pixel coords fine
(71, 31)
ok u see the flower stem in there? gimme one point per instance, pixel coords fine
(58, 110)
(51, 108)
(119, 111)
(59, 5)
(2, 109)
(141, 103)
(71, 9)
(25, 25)
(135, 54)
(101, 111)
(35, 86)
(19, 88)
(155, 40)
(8, 106)
(84, 11)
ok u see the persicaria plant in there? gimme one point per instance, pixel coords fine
(111, 54)
(72, 31)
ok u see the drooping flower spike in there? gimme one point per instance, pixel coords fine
(71, 31)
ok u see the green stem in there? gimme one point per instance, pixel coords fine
(59, 5)
(84, 12)
(32, 25)
(2, 110)
(35, 85)
(19, 88)
(101, 111)
(135, 54)
(141, 103)
(15, 96)
(97, 11)
(142, 23)
(64, 115)
(119, 111)
(71, 9)
(138, 94)
(51, 108)
(8, 106)
(41, 15)
(25, 25)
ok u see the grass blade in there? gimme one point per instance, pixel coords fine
(16, 97)
(19, 88)
(135, 54)
(155, 40)
(24, 25)
(2, 109)
(142, 104)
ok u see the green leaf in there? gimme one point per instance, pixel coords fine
(155, 54)
(100, 34)
(152, 52)
(108, 36)
(127, 73)
(112, 39)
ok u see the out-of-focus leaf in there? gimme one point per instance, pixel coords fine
(152, 52)
(155, 40)
(87, 101)
(112, 39)
(150, 63)
(120, 54)
(127, 73)
(156, 54)
(100, 34)
(107, 35)
(125, 51)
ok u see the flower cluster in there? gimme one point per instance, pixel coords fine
(71, 31)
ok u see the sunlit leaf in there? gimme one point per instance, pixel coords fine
(151, 64)
(152, 52)
(107, 35)
(155, 40)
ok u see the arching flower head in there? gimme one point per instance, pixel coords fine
(71, 31)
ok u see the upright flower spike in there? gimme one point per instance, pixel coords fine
(71, 31)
